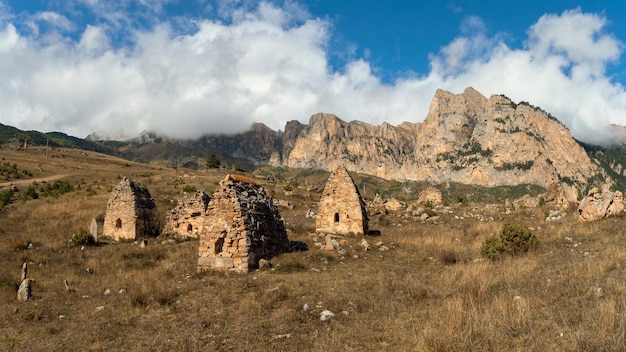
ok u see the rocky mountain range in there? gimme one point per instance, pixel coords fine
(465, 138)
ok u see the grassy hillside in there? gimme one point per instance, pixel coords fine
(431, 291)
(16, 137)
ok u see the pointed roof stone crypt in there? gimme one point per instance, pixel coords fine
(131, 212)
(341, 208)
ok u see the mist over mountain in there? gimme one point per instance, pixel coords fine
(465, 138)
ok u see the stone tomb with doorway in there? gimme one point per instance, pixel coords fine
(131, 212)
(243, 226)
(189, 216)
(341, 208)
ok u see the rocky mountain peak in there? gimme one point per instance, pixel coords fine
(464, 138)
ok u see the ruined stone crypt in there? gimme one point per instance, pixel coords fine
(243, 227)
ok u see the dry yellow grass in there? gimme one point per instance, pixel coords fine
(430, 292)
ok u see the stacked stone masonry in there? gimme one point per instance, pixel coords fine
(131, 212)
(189, 216)
(341, 208)
(243, 227)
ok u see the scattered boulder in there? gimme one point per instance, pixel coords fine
(415, 209)
(264, 264)
(366, 246)
(25, 291)
(393, 205)
(328, 246)
(377, 206)
(326, 315)
(526, 201)
(68, 289)
(600, 204)
(555, 215)
(381, 246)
(556, 195)
(430, 195)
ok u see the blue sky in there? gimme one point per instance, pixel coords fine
(184, 68)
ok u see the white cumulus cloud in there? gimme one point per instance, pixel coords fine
(258, 62)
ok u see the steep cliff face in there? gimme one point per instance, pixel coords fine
(328, 142)
(465, 138)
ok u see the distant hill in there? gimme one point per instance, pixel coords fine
(12, 135)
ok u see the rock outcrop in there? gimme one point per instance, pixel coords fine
(431, 196)
(376, 206)
(600, 204)
(243, 227)
(557, 196)
(465, 138)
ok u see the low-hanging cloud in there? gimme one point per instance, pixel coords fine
(263, 63)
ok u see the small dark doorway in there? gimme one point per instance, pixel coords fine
(118, 223)
(189, 228)
(336, 218)
(219, 244)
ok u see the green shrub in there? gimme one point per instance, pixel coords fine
(58, 188)
(189, 189)
(30, 193)
(5, 197)
(213, 162)
(290, 267)
(512, 239)
(83, 238)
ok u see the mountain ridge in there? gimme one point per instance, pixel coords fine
(465, 138)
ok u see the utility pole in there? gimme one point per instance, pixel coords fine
(46, 148)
